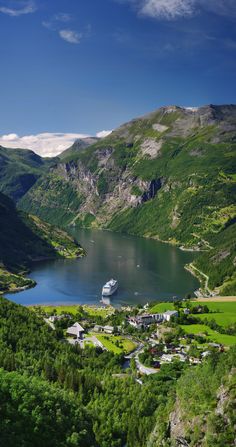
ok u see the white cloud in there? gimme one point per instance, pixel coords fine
(103, 133)
(10, 137)
(70, 36)
(45, 144)
(174, 9)
(169, 9)
(26, 7)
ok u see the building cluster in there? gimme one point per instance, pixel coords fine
(142, 321)
(54, 318)
(76, 331)
(106, 329)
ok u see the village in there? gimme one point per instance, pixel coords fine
(144, 339)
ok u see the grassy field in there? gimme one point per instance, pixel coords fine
(110, 342)
(223, 313)
(74, 309)
(227, 340)
(161, 307)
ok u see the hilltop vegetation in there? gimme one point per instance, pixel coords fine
(19, 170)
(72, 397)
(201, 413)
(220, 263)
(25, 238)
(169, 175)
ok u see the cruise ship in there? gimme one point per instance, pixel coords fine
(110, 287)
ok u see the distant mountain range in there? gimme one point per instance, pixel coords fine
(168, 175)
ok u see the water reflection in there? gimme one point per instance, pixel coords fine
(146, 270)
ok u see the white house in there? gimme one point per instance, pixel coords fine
(169, 314)
(75, 331)
(144, 320)
(106, 329)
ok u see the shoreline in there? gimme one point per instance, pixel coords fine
(28, 271)
(111, 308)
(203, 282)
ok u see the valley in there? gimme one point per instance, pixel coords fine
(151, 201)
(167, 176)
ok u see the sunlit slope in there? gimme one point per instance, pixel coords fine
(168, 175)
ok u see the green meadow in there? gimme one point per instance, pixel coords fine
(223, 313)
(116, 343)
(227, 340)
(74, 309)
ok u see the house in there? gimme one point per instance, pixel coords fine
(106, 329)
(54, 318)
(98, 328)
(194, 361)
(181, 357)
(145, 320)
(166, 358)
(75, 331)
(169, 314)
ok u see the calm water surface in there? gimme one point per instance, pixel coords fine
(147, 270)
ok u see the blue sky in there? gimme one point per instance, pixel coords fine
(82, 66)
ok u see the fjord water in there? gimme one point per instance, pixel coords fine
(146, 270)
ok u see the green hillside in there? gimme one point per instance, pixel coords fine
(169, 175)
(72, 397)
(24, 239)
(201, 412)
(19, 170)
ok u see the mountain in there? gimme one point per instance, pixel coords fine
(78, 146)
(201, 411)
(19, 170)
(24, 239)
(168, 175)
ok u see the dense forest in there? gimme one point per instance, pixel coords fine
(66, 396)
(26, 238)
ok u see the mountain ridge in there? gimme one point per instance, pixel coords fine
(168, 175)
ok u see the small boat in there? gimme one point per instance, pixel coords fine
(110, 287)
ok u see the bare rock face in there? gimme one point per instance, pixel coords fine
(81, 178)
(151, 148)
(103, 156)
(159, 127)
(177, 428)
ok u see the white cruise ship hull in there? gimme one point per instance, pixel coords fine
(109, 291)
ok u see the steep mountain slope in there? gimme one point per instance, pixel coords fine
(201, 412)
(24, 239)
(19, 170)
(168, 175)
(78, 146)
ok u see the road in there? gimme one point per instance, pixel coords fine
(141, 368)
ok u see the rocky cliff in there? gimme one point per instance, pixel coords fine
(201, 413)
(168, 175)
